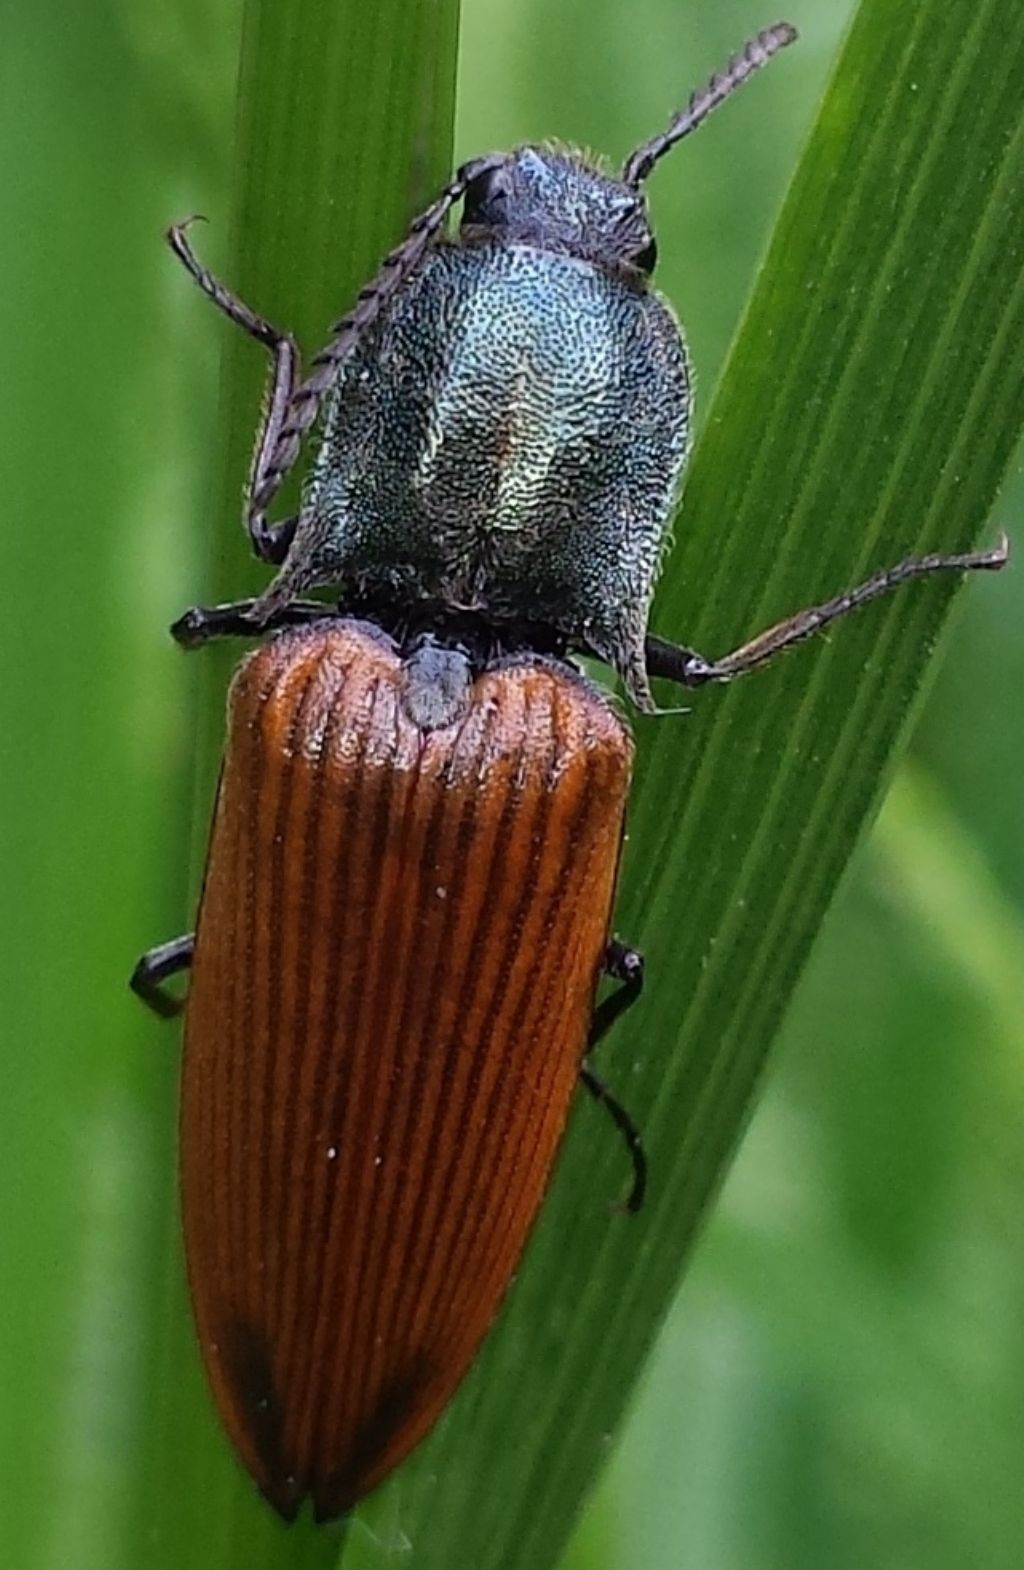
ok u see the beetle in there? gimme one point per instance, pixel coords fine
(407, 903)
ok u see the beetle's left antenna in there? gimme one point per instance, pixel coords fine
(279, 448)
(751, 58)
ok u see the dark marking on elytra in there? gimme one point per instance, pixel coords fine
(400, 1398)
(261, 1411)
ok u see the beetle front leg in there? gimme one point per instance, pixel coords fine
(626, 965)
(269, 541)
(153, 969)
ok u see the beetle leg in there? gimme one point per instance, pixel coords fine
(693, 670)
(626, 965)
(201, 623)
(269, 541)
(627, 1128)
(153, 970)
(277, 539)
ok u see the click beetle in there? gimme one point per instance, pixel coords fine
(407, 903)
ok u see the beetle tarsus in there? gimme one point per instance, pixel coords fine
(202, 623)
(625, 965)
(153, 969)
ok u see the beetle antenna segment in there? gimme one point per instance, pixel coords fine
(754, 54)
(693, 670)
(285, 429)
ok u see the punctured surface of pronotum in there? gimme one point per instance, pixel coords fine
(399, 942)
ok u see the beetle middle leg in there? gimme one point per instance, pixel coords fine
(202, 623)
(625, 965)
(148, 977)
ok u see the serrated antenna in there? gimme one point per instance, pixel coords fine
(750, 58)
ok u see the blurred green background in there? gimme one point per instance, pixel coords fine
(842, 1380)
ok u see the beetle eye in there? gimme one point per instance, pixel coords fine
(486, 198)
(646, 259)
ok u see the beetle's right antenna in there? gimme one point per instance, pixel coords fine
(751, 58)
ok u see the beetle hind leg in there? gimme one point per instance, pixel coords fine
(627, 1128)
(625, 965)
(148, 977)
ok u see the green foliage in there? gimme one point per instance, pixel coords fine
(839, 1383)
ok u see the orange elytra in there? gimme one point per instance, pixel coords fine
(400, 937)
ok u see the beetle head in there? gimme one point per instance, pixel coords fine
(557, 200)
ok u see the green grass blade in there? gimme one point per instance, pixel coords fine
(91, 719)
(841, 1380)
(869, 409)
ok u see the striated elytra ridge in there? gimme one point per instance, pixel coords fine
(398, 948)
